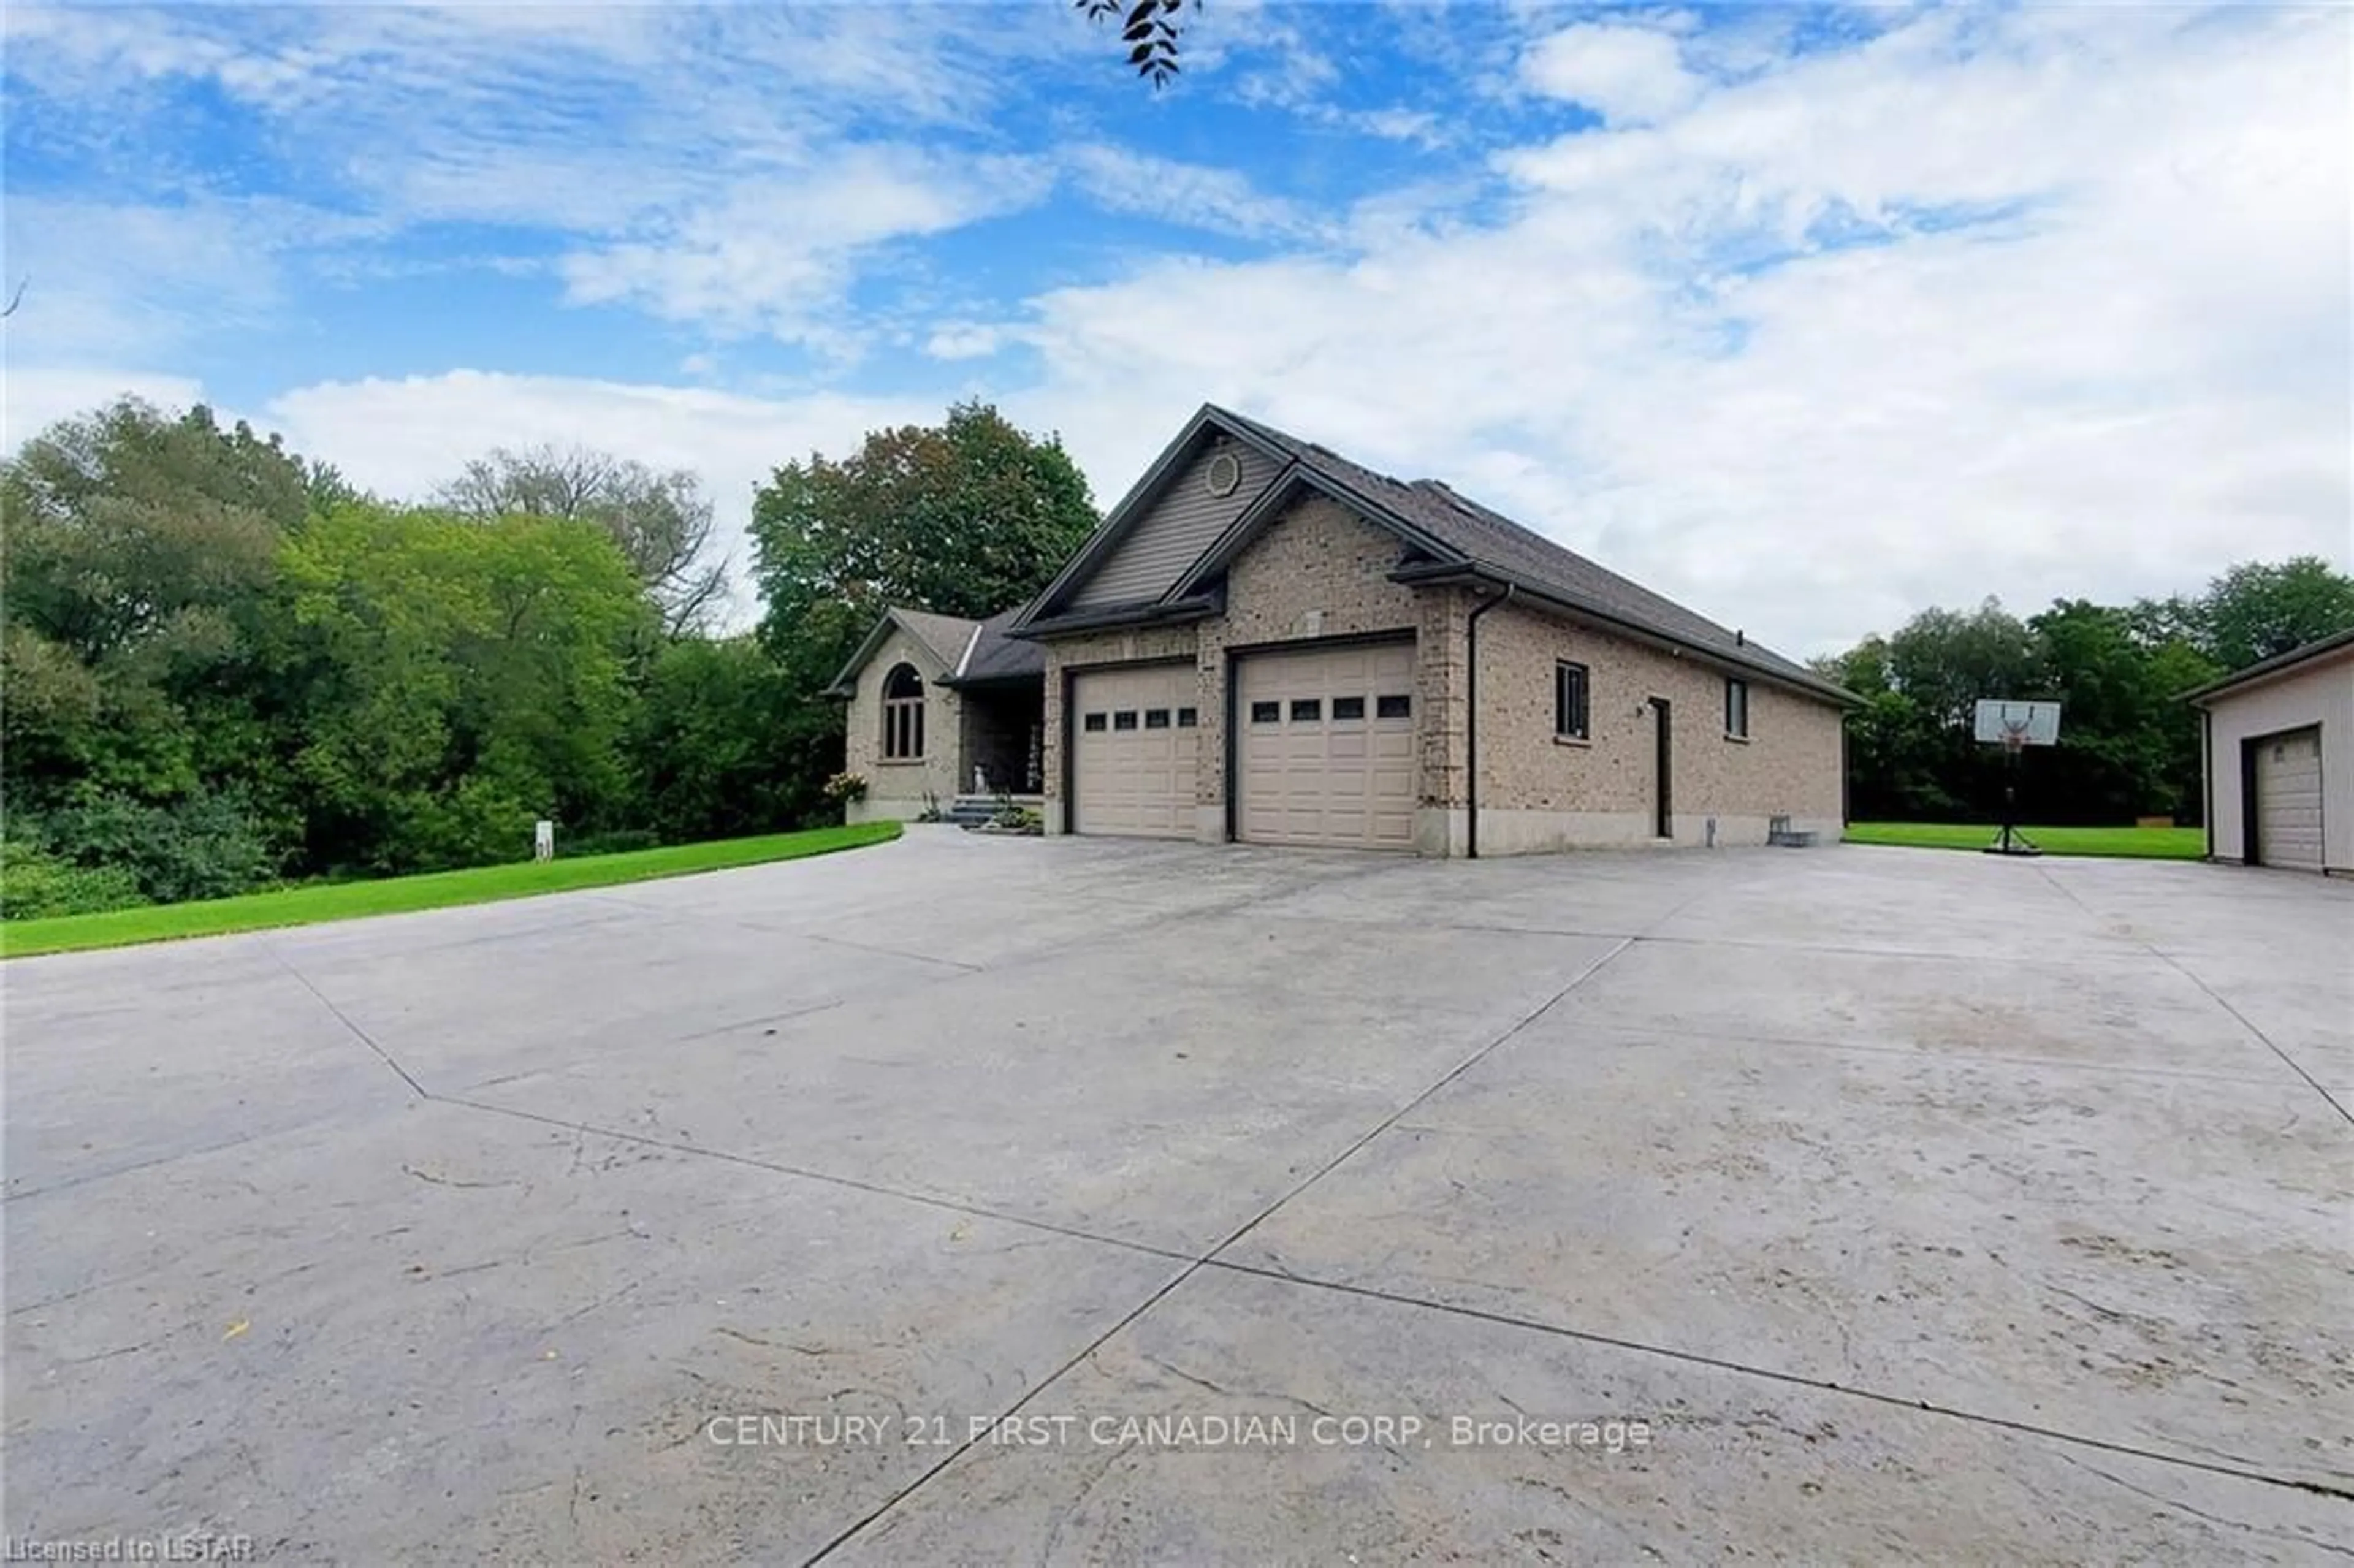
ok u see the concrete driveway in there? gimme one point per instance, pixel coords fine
(986, 1200)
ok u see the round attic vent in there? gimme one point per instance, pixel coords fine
(1225, 475)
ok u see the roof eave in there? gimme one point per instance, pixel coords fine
(1150, 612)
(1122, 518)
(2267, 669)
(1442, 573)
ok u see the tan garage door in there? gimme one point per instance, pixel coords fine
(2288, 800)
(1327, 754)
(1133, 735)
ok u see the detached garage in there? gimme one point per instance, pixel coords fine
(2279, 746)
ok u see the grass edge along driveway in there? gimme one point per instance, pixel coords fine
(406, 895)
(2130, 844)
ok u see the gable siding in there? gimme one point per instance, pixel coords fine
(1172, 535)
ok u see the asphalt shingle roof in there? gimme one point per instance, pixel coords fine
(1489, 539)
(997, 656)
(946, 635)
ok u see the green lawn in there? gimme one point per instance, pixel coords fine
(401, 895)
(2133, 843)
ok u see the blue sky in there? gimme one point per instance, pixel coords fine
(1810, 317)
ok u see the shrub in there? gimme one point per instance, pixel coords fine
(206, 845)
(35, 884)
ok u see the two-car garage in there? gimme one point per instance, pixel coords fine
(1324, 741)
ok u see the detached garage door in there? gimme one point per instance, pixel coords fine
(1133, 734)
(1327, 754)
(2288, 800)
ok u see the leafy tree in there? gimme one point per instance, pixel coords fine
(1149, 28)
(2255, 610)
(465, 678)
(661, 521)
(141, 556)
(705, 749)
(965, 518)
(968, 518)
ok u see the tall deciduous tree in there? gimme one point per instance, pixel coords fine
(662, 522)
(468, 677)
(967, 518)
(2255, 610)
(140, 551)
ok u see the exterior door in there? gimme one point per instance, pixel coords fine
(1325, 741)
(1663, 775)
(1133, 741)
(2288, 800)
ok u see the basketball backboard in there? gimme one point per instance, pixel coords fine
(1997, 720)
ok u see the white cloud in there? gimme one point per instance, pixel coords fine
(1194, 196)
(964, 340)
(2140, 377)
(1629, 76)
(33, 397)
(774, 257)
(403, 437)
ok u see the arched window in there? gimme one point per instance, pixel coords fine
(903, 715)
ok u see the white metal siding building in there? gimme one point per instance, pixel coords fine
(2280, 760)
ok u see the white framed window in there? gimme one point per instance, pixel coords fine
(1736, 709)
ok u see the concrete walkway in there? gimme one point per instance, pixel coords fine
(981, 1199)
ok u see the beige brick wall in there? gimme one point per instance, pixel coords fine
(1316, 572)
(1537, 792)
(896, 789)
(1319, 572)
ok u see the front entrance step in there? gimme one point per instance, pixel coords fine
(969, 811)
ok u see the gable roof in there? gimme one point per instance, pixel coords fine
(964, 651)
(944, 637)
(2265, 669)
(1450, 538)
(994, 656)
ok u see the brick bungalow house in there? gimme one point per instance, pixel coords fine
(1267, 643)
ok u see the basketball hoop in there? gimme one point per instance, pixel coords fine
(2015, 726)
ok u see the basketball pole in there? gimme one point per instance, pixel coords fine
(2010, 841)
